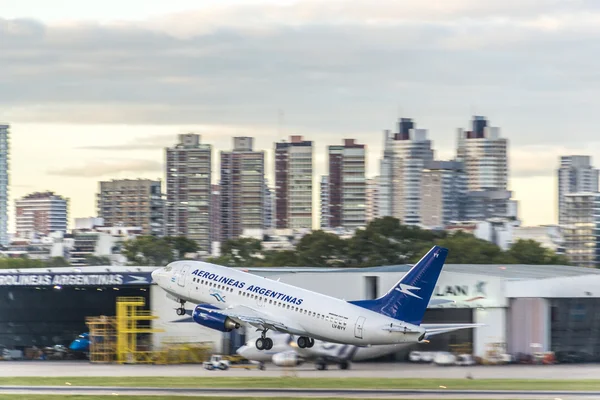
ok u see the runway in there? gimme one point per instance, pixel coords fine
(358, 370)
(308, 393)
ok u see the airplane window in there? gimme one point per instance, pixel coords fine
(318, 315)
(270, 301)
(239, 292)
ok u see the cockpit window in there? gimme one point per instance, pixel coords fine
(168, 268)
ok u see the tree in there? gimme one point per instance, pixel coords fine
(93, 260)
(182, 245)
(57, 262)
(148, 250)
(241, 252)
(532, 252)
(284, 258)
(321, 249)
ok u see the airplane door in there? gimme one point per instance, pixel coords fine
(182, 275)
(358, 328)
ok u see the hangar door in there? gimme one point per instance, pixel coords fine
(448, 316)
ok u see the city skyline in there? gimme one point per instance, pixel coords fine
(140, 168)
(83, 82)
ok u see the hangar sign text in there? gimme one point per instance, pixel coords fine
(74, 279)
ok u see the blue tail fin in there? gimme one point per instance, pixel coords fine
(408, 299)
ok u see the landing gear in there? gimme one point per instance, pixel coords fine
(344, 365)
(305, 342)
(263, 342)
(181, 310)
(321, 366)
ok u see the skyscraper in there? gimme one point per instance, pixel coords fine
(484, 154)
(579, 228)
(41, 213)
(293, 183)
(269, 207)
(405, 155)
(215, 213)
(373, 188)
(444, 186)
(132, 202)
(575, 175)
(242, 188)
(347, 185)
(4, 151)
(325, 216)
(189, 190)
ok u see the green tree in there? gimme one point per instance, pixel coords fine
(284, 258)
(321, 249)
(241, 252)
(57, 262)
(21, 263)
(182, 245)
(147, 250)
(532, 252)
(464, 248)
(93, 260)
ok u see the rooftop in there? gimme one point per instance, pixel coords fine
(508, 271)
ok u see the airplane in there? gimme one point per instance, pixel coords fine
(227, 299)
(285, 352)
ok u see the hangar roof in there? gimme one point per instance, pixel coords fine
(508, 271)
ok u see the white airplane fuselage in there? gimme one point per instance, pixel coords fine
(303, 312)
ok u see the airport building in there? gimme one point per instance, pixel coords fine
(529, 308)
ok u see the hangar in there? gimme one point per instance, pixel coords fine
(550, 306)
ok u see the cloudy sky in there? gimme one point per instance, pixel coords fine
(96, 90)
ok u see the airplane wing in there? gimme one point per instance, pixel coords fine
(436, 329)
(248, 315)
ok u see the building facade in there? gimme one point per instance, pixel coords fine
(294, 184)
(484, 154)
(41, 213)
(581, 227)
(269, 207)
(189, 190)
(405, 155)
(444, 188)
(372, 192)
(4, 181)
(325, 216)
(347, 185)
(132, 202)
(242, 188)
(575, 175)
(215, 213)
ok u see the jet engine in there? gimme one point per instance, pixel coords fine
(287, 359)
(213, 320)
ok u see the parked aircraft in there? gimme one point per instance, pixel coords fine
(228, 298)
(285, 351)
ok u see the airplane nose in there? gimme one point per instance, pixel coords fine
(155, 274)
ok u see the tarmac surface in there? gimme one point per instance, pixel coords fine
(379, 370)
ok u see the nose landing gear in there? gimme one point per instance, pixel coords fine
(181, 310)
